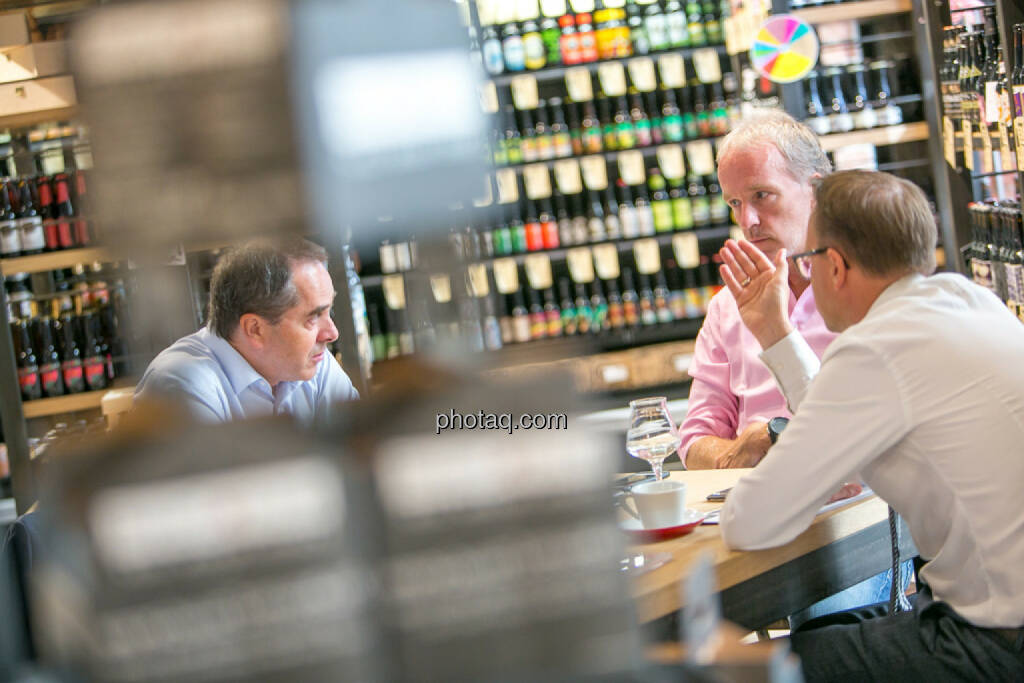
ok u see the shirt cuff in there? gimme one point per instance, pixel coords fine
(794, 364)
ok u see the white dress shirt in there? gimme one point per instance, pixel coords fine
(924, 398)
(216, 384)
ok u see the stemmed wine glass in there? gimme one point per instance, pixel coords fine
(652, 435)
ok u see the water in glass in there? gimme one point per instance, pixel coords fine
(652, 435)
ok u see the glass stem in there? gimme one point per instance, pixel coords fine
(656, 466)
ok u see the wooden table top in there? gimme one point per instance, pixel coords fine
(657, 592)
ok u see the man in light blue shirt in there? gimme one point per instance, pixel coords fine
(264, 349)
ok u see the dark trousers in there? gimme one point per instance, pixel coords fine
(930, 643)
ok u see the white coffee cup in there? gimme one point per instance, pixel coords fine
(660, 504)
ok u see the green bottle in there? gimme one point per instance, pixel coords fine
(518, 230)
(501, 236)
(695, 24)
(682, 212)
(513, 148)
(625, 130)
(671, 118)
(661, 206)
(609, 131)
(712, 24)
(690, 131)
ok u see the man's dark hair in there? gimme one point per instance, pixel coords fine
(257, 278)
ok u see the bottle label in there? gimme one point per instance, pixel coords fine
(625, 135)
(95, 372)
(64, 236)
(494, 60)
(643, 133)
(701, 207)
(678, 35)
(28, 378)
(645, 221)
(672, 127)
(682, 213)
(981, 270)
(534, 51)
(1018, 134)
(568, 316)
(592, 140)
(820, 125)
(73, 377)
(53, 385)
(32, 236)
(657, 31)
(554, 322)
(588, 47)
(10, 239)
(515, 54)
(1014, 284)
(663, 220)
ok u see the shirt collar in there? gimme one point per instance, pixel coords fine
(894, 290)
(238, 370)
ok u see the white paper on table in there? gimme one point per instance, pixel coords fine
(712, 517)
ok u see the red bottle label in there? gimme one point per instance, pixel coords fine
(82, 233)
(50, 232)
(53, 385)
(550, 232)
(73, 379)
(95, 373)
(28, 378)
(534, 237)
(64, 237)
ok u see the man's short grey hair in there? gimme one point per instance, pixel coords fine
(256, 278)
(797, 143)
(882, 223)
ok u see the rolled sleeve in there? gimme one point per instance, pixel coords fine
(794, 364)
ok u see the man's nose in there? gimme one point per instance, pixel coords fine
(328, 332)
(746, 216)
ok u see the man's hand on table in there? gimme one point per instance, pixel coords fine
(847, 490)
(760, 288)
(746, 450)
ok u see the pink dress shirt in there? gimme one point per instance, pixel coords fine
(731, 386)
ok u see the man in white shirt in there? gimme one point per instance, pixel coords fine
(922, 393)
(265, 349)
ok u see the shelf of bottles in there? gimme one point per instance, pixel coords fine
(69, 341)
(64, 305)
(983, 133)
(554, 35)
(657, 291)
(996, 251)
(983, 105)
(674, 102)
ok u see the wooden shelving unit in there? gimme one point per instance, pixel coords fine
(888, 135)
(63, 404)
(53, 260)
(33, 118)
(853, 10)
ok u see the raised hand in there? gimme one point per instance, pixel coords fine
(760, 288)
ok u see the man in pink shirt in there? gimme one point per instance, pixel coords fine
(765, 167)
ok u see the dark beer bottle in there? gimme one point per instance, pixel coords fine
(25, 361)
(49, 359)
(70, 355)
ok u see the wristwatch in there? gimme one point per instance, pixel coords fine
(775, 427)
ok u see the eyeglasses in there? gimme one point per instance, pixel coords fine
(803, 261)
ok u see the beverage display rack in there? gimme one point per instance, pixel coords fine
(983, 134)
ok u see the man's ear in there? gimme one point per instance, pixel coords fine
(252, 328)
(837, 268)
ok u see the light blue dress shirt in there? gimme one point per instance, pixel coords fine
(216, 384)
